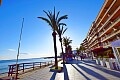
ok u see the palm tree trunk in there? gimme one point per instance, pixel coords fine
(62, 50)
(66, 49)
(0, 2)
(55, 49)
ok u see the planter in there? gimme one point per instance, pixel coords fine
(56, 70)
(107, 64)
(102, 63)
(97, 61)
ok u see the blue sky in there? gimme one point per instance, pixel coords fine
(37, 40)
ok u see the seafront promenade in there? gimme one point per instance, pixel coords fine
(74, 70)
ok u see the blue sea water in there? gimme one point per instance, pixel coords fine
(4, 63)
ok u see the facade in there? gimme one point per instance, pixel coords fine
(105, 29)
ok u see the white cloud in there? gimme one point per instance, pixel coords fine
(25, 53)
(13, 50)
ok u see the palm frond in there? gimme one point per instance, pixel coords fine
(45, 19)
(54, 14)
(48, 14)
(64, 31)
(66, 41)
(62, 17)
(62, 24)
(54, 20)
(57, 15)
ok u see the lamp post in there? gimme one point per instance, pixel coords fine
(19, 49)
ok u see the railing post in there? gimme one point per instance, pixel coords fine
(51, 61)
(9, 70)
(23, 67)
(45, 63)
(17, 65)
(33, 65)
(40, 64)
(48, 63)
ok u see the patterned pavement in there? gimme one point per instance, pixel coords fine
(74, 70)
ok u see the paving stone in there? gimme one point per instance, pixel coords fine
(75, 70)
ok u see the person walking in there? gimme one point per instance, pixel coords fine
(81, 56)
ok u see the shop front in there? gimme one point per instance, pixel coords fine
(116, 50)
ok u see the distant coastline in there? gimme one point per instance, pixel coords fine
(24, 58)
(51, 57)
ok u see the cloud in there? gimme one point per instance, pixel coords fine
(25, 53)
(13, 50)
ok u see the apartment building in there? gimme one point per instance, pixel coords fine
(105, 28)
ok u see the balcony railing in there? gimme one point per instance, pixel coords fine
(106, 12)
(111, 35)
(111, 25)
(109, 18)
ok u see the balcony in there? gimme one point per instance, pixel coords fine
(109, 18)
(106, 13)
(111, 35)
(117, 20)
(93, 40)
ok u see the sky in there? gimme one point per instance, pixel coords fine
(37, 40)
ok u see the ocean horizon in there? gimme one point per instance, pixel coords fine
(4, 63)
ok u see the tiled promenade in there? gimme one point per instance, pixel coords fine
(75, 70)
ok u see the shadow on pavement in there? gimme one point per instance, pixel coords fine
(114, 73)
(53, 76)
(89, 61)
(66, 77)
(74, 61)
(81, 72)
(91, 72)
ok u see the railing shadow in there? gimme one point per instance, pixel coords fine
(114, 73)
(81, 72)
(66, 77)
(92, 73)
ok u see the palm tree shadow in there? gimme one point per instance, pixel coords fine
(81, 72)
(66, 77)
(92, 73)
(74, 61)
(53, 76)
(105, 70)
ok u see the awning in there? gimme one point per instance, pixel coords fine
(115, 43)
(98, 49)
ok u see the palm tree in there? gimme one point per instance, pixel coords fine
(82, 48)
(78, 51)
(66, 43)
(60, 32)
(0, 2)
(54, 21)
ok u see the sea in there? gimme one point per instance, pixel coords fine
(4, 63)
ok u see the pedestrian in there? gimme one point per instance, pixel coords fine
(77, 57)
(81, 56)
